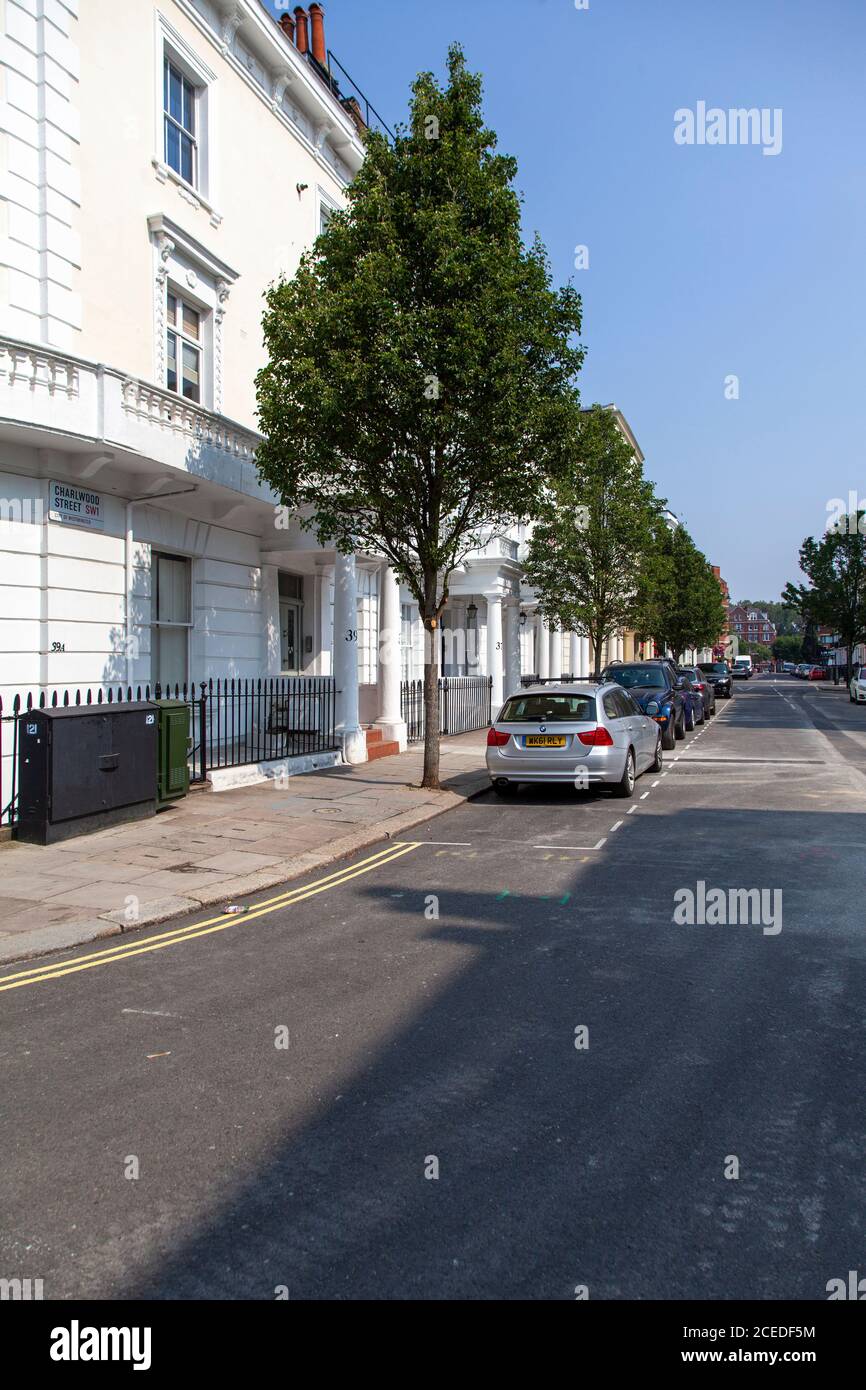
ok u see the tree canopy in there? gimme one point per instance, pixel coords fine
(419, 383)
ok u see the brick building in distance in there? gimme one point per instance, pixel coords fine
(750, 624)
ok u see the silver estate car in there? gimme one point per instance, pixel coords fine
(581, 733)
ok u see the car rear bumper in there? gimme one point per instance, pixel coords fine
(599, 765)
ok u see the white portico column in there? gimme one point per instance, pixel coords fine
(390, 719)
(555, 653)
(542, 647)
(495, 652)
(512, 648)
(574, 663)
(349, 731)
(584, 668)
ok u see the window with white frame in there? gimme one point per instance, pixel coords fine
(180, 103)
(171, 609)
(407, 640)
(184, 111)
(368, 627)
(183, 347)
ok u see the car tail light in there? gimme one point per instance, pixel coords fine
(699, 685)
(597, 738)
(496, 738)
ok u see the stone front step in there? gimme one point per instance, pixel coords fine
(378, 746)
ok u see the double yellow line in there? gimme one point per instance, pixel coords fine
(113, 954)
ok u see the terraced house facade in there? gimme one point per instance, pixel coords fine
(162, 163)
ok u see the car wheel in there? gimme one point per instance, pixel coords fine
(680, 726)
(689, 722)
(669, 738)
(625, 786)
(656, 765)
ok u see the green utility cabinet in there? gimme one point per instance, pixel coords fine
(172, 751)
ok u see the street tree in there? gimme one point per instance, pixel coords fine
(419, 386)
(835, 596)
(681, 604)
(593, 526)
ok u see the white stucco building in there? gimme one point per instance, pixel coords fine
(160, 163)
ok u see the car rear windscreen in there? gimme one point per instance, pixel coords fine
(632, 676)
(718, 666)
(548, 709)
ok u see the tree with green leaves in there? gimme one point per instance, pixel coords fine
(681, 604)
(419, 386)
(592, 529)
(835, 595)
(788, 647)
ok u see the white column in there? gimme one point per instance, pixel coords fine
(542, 647)
(349, 731)
(495, 651)
(271, 616)
(555, 653)
(512, 648)
(574, 662)
(584, 669)
(390, 719)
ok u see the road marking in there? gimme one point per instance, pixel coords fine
(655, 784)
(464, 843)
(616, 826)
(644, 796)
(631, 810)
(112, 954)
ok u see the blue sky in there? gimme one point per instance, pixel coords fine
(705, 261)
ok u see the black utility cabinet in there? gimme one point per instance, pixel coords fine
(85, 767)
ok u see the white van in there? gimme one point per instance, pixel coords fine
(742, 667)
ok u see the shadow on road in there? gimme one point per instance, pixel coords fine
(561, 1167)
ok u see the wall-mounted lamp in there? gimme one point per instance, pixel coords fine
(302, 188)
(471, 614)
(523, 619)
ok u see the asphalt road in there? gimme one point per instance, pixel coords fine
(429, 999)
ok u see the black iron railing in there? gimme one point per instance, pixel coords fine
(232, 722)
(255, 721)
(464, 705)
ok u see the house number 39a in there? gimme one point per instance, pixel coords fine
(58, 646)
(352, 634)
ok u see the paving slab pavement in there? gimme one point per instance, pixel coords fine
(215, 847)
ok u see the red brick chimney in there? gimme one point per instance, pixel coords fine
(317, 19)
(302, 37)
(287, 24)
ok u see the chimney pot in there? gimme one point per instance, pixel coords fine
(287, 24)
(317, 20)
(302, 35)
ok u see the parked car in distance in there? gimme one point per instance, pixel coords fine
(742, 668)
(701, 687)
(788, 667)
(815, 673)
(857, 685)
(580, 733)
(803, 669)
(718, 674)
(656, 688)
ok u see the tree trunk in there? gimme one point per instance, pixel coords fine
(430, 778)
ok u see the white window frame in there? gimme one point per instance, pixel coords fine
(183, 266)
(326, 205)
(156, 624)
(172, 46)
(201, 344)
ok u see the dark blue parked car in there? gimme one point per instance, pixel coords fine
(660, 692)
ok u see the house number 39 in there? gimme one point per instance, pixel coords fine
(352, 634)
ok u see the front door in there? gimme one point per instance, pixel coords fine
(290, 636)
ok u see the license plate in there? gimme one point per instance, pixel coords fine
(544, 741)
